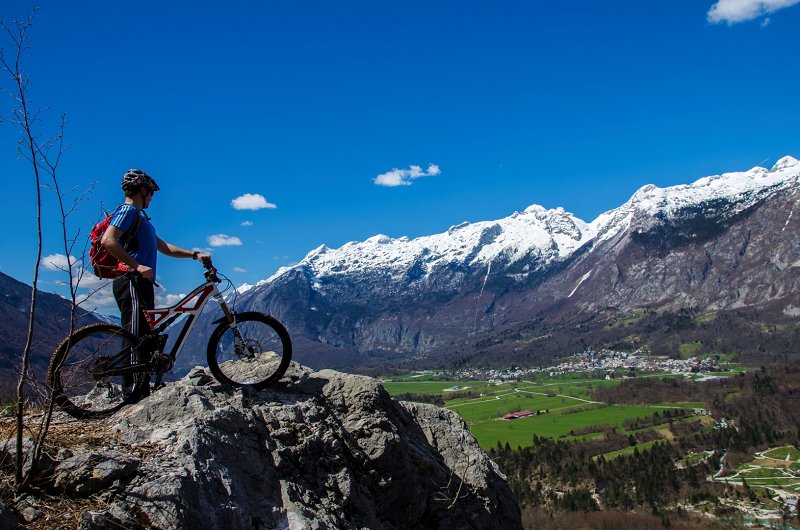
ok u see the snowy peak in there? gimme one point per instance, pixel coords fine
(540, 282)
(536, 232)
(743, 188)
(727, 185)
(784, 163)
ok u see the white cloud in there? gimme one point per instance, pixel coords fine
(85, 279)
(404, 177)
(735, 11)
(58, 262)
(247, 223)
(223, 240)
(168, 300)
(251, 201)
(239, 269)
(100, 300)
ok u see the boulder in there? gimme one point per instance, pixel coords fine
(319, 450)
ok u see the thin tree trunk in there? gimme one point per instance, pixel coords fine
(29, 149)
(26, 352)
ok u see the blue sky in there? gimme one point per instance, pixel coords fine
(475, 108)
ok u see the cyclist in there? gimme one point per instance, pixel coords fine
(133, 289)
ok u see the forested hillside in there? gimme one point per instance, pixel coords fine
(754, 411)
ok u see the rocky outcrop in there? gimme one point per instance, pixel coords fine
(323, 450)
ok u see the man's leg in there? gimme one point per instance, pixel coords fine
(133, 296)
(122, 294)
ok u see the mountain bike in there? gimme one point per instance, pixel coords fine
(101, 367)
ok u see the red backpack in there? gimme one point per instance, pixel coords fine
(104, 264)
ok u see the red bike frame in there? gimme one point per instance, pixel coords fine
(192, 304)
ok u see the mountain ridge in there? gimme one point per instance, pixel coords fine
(395, 300)
(647, 198)
(51, 325)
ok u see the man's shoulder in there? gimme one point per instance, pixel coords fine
(124, 208)
(124, 215)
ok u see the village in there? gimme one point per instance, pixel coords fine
(606, 364)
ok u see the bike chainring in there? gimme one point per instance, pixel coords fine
(162, 364)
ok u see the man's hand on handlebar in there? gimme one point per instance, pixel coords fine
(203, 258)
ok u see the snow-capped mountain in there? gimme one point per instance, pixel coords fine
(720, 243)
(536, 236)
(741, 189)
(524, 242)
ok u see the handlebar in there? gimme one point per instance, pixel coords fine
(211, 272)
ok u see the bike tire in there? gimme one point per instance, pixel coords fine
(80, 393)
(267, 356)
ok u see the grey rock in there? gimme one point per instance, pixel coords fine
(325, 450)
(116, 517)
(87, 473)
(28, 510)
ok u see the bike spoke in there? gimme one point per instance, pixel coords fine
(92, 373)
(255, 353)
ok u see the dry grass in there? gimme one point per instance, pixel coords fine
(63, 433)
(59, 511)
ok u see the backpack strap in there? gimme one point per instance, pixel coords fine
(129, 237)
(131, 233)
(135, 225)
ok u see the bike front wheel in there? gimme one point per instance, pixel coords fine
(255, 352)
(90, 373)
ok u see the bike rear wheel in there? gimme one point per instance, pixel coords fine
(255, 352)
(84, 372)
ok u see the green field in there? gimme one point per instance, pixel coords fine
(562, 404)
(556, 423)
(629, 450)
(783, 453)
(436, 387)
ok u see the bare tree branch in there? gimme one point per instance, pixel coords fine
(44, 157)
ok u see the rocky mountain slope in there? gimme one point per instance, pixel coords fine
(320, 450)
(52, 324)
(722, 244)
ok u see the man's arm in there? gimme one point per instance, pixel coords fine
(174, 251)
(111, 243)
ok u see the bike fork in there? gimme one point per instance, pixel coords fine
(239, 344)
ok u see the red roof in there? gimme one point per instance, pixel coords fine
(515, 415)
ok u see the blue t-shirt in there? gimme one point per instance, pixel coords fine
(145, 250)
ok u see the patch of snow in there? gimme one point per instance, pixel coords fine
(783, 163)
(583, 279)
(244, 288)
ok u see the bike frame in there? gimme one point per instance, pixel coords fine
(192, 304)
(162, 318)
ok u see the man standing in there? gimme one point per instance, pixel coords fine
(134, 289)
